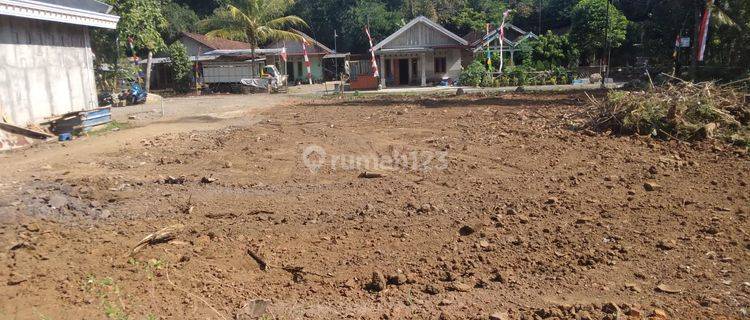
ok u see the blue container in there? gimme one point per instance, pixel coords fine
(65, 137)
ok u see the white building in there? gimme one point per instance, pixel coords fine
(46, 63)
(419, 53)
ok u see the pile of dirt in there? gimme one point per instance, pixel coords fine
(683, 110)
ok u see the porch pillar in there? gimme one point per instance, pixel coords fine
(382, 71)
(410, 71)
(423, 62)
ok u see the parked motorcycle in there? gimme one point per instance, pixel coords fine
(105, 99)
(134, 95)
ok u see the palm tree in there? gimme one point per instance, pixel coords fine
(726, 13)
(254, 22)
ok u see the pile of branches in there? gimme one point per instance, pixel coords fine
(683, 111)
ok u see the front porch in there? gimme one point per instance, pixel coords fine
(403, 68)
(418, 66)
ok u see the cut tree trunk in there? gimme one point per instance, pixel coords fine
(147, 85)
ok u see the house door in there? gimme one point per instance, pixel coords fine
(290, 70)
(403, 71)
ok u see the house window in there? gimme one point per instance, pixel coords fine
(440, 64)
(299, 69)
(388, 72)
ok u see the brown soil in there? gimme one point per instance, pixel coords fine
(506, 212)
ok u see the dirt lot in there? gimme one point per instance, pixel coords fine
(489, 208)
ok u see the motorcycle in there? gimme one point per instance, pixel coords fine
(105, 99)
(134, 95)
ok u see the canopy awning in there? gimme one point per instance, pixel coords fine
(337, 55)
(243, 52)
(405, 50)
(167, 60)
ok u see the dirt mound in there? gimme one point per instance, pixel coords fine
(478, 208)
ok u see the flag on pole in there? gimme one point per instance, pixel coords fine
(703, 31)
(502, 37)
(375, 72)
(283, 52)
(676, 46)
(489, 53)
(307, 61)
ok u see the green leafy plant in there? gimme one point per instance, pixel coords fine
(589, 20)
(474, 74)
(181, 67)
(551, 50)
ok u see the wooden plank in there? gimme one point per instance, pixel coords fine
(24, 131)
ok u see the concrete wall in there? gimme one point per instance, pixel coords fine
(46, 69)
(316, 67)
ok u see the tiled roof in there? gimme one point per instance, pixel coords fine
(217, 43)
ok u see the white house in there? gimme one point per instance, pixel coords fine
(419, 53)
(46, 63)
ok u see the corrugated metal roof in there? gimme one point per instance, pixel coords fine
(88, 5)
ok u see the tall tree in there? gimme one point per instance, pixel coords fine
(141, 20)
(382, 22)
(324, 17)
(255, 22)
(589, 19)
(180, 18)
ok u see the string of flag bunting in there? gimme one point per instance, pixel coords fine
(307, 60)
(375, 72)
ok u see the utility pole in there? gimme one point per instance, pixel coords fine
(606, 47)
(609, 45)
(336, 51)
(539, 28)
(117, 63)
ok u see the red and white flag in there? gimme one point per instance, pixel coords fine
(375, 72)
(307, 61)
(283, 52)
(703, 31)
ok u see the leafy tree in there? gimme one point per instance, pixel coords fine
(324, 17)
(467, 20)
(382, 23)
(555, 14)
(180, 66)
(141, 20)
(492, 9)
(202, 8)
(551, 50)
(254, 21)
(180, 18)
(589, 20)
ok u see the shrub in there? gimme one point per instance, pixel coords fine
(180, 66)
(474, 74)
